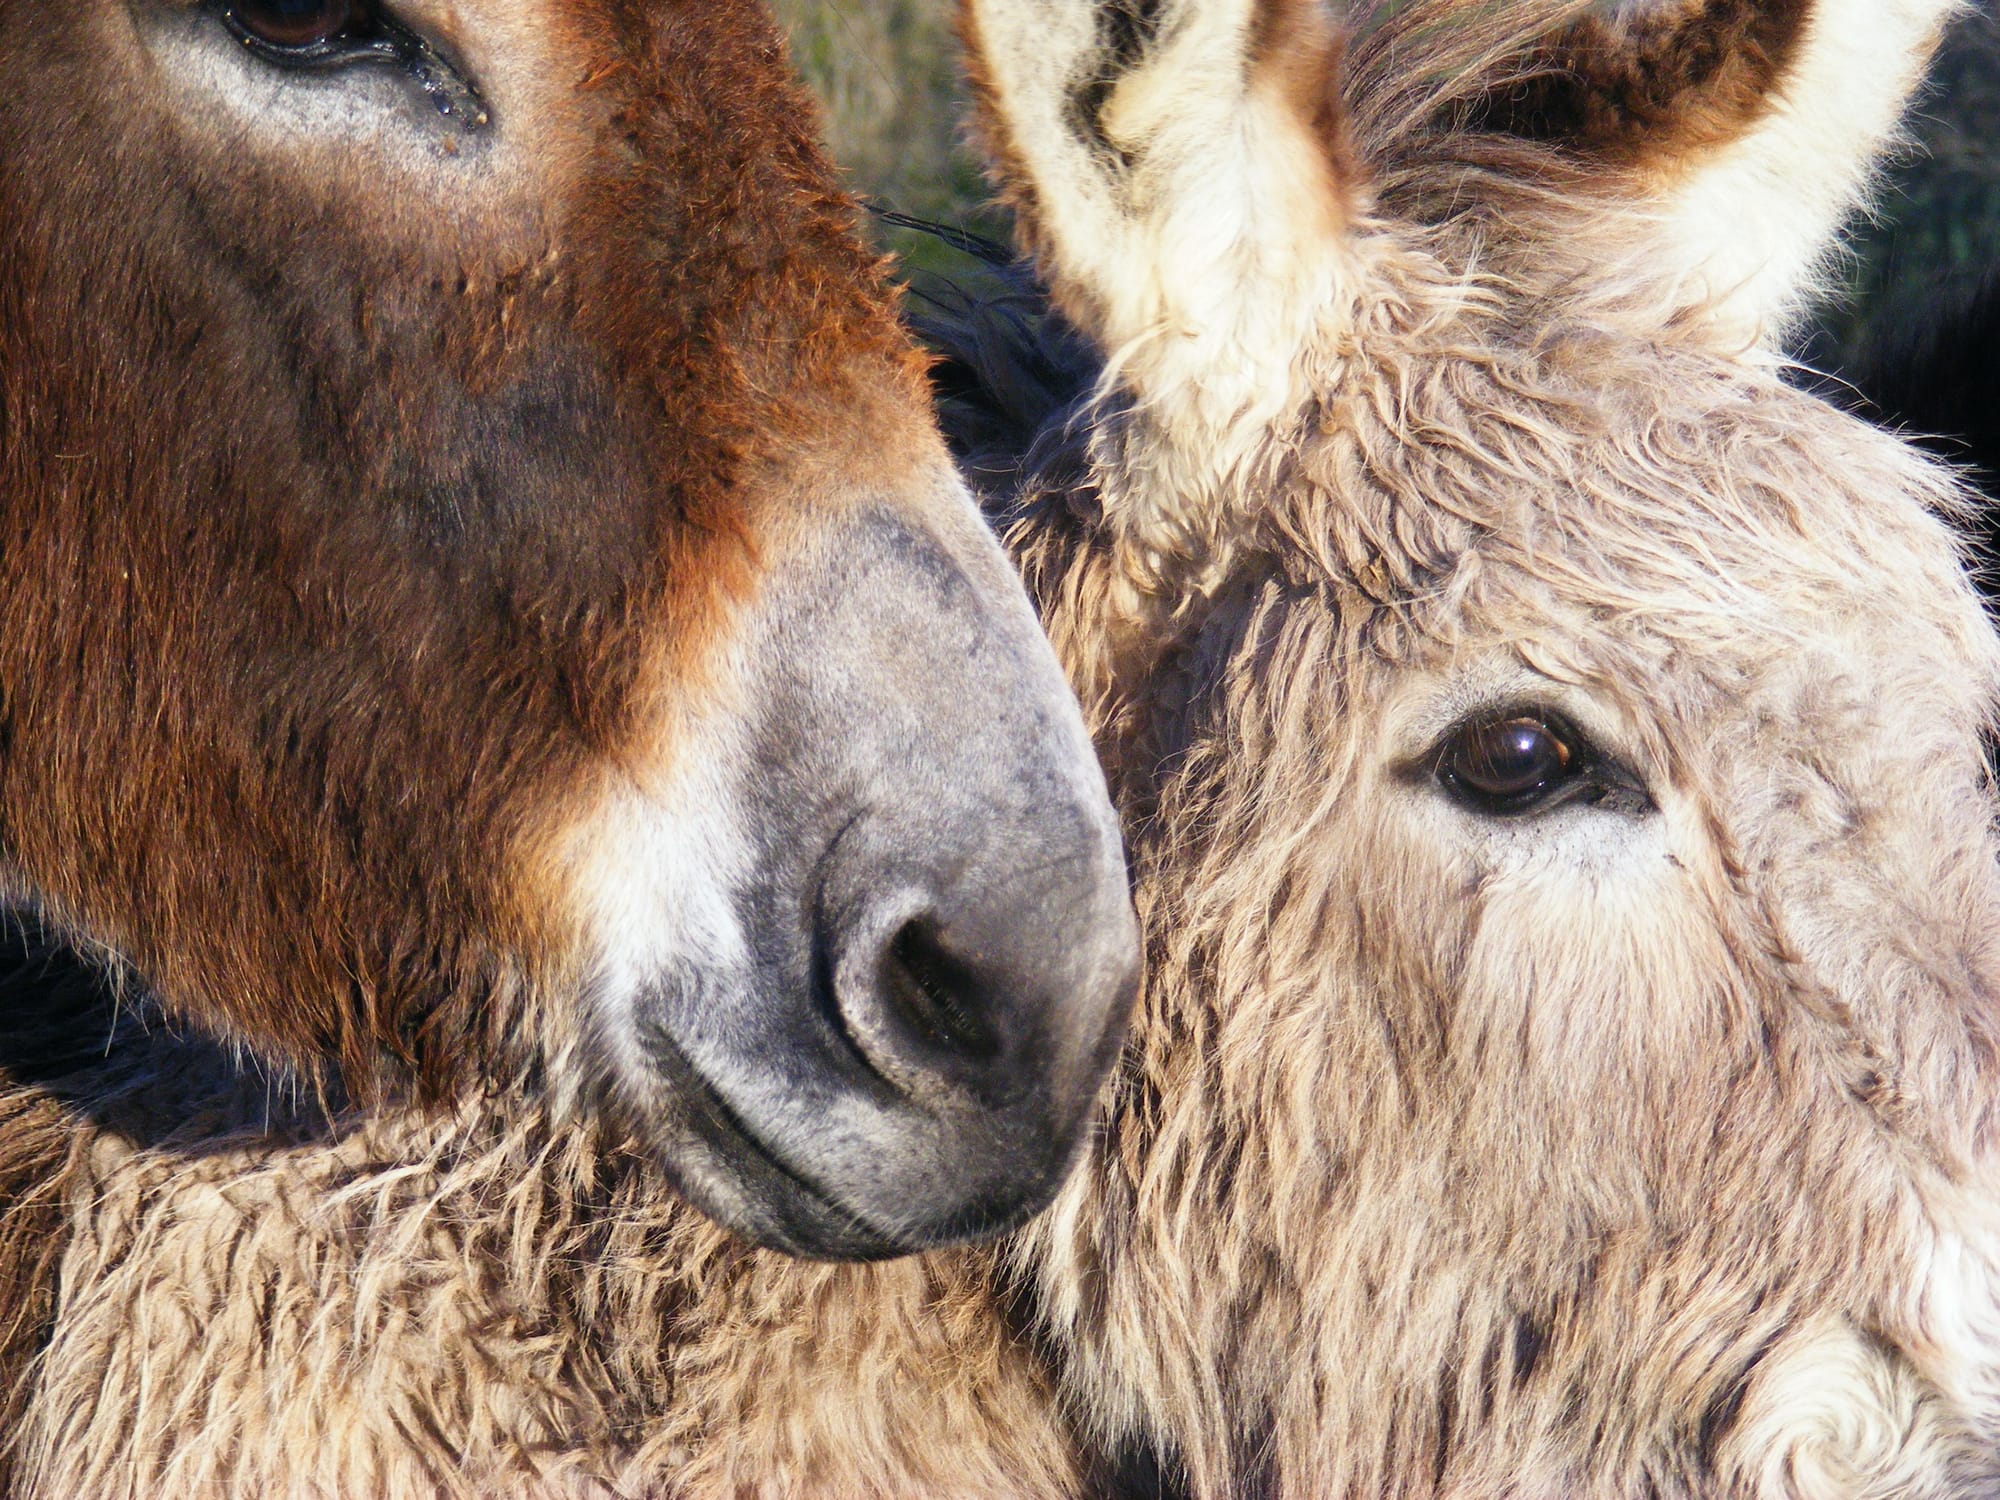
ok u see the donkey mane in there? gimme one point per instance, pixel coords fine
(1008, 372)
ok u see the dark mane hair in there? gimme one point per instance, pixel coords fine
(1008, 373)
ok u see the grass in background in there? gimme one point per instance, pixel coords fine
(1940, 209)
(887, 74)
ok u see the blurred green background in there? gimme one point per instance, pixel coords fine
(887, 71)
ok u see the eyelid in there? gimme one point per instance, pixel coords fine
(391, 41)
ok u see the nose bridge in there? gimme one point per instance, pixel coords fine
(908, 675)
(935, 824)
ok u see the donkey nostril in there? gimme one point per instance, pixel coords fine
(934, 993)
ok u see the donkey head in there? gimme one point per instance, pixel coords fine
(1553, 748)
(483, 602)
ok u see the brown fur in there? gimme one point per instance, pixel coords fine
(354, 535)
(426, 600)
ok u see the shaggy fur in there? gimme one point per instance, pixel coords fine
(298, 1298)
(1613, 1151)
(1626, 1151)
(1658, 1180)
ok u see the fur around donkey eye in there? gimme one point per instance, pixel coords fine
(322, 34)
(1516, 762)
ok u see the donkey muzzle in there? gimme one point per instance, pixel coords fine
(892, 1033)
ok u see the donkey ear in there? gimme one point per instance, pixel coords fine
(1743, 133)
(1179, 169)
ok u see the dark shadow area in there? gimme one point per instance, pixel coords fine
(1938, 211)
(76, 1030)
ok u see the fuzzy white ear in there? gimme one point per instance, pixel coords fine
(1176, 166)
(1744, 132)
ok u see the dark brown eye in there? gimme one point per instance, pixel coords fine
(1510, 763)
(324, 35)
(302, 26)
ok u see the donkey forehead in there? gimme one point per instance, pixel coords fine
(1691, 562)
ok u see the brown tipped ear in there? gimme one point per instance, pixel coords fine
(1743, 133)
(1646, 83)
(1180, 171)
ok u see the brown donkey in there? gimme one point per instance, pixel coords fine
(491, 641)
(1569, 1062)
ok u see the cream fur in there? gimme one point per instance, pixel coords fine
(259, 1303)
(1594, 1154)
(1599, 1155)
(1199, 240)
(1747, 230)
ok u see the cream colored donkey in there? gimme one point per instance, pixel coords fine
(1551, 750)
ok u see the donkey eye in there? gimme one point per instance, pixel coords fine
(1505, 765)
(322, 34)
(1521, 761)
(300, 31)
